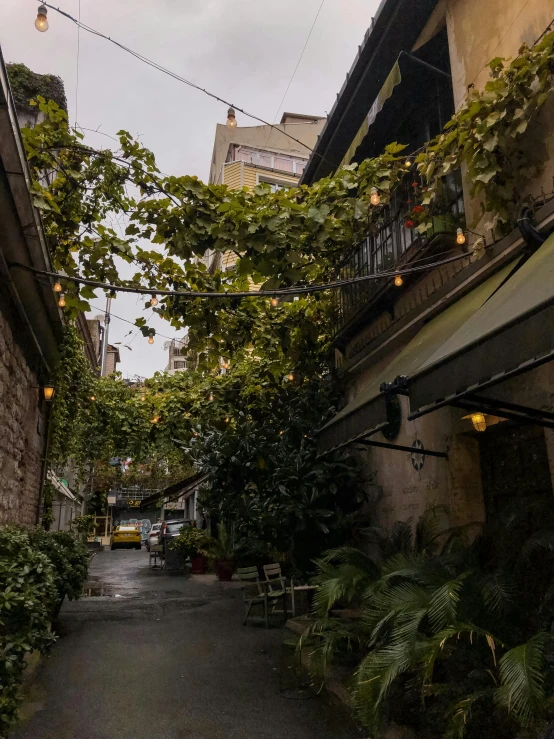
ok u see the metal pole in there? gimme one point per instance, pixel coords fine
(105, 337)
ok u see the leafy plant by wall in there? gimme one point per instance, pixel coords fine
(26, 85)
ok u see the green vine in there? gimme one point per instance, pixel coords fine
(26, 85)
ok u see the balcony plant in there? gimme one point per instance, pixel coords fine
(225, 562)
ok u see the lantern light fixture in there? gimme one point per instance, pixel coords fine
(48, 391)
(460, 236)
(398, 280)
(231, 118)
(41, 23)
(375, 197)
(478, 420)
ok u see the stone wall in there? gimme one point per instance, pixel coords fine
(22, 435)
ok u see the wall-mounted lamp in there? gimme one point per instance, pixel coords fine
(478, 420)
(49, 391)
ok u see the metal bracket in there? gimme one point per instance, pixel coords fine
(400, 448)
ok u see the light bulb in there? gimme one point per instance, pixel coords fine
(460, 236)
(150, 339)
(154, 300)
(280, 433)
(407, 163)
(57, 288)
(290, 377)
(92, 397)
(143, 397)
(375, 197)
(227, 420)
(231, 120)
(155, 419)
(274, 302)
(211, 396)
(61, 302)
(41, 23)
(398, 280)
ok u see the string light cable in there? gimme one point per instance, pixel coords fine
(282, 292)
(178, 77)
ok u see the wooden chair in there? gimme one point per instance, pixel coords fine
(253, 591)
(277, 586)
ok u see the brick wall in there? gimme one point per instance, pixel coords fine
(22, 433)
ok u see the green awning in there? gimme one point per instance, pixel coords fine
(512, 331)
(367, 413)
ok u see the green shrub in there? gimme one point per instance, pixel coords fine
(194, 542)
(68, 555)
(28, 596)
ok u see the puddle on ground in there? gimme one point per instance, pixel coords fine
(100, 591)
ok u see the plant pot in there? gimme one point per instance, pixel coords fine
(198, 565)
(224, 569)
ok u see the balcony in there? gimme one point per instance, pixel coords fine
(394, 245)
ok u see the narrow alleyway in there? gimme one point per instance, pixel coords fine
(155, 656)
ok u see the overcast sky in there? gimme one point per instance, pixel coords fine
(243, 50)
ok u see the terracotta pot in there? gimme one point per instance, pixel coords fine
(224, 569)
(198, 565)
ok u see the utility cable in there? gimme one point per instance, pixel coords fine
(284, 292)
(177, 77)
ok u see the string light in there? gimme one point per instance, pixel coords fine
(227, 420)
(274, 302)
(57, 288)
(41, 23)
(92, 397)
(231, 118)
(460, 236)
(281, 433)
(375, 197)
(151, 339)
(408, 163)
(290, 377)
(143, 397)
(61, 302)
(398, 280)
(154, 300)
(155, 419)
(211, 396)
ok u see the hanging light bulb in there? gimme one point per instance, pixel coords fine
(227, 420)
(281, 433)
(398, 280)
(143, 397)
(211, 396)
(290, 377)
(154, 300)
(92, 397)
(460, 236)
(57, 288)
(408, 163)
(151, 339)
(155, 419)
(61, 302)
(375, 197)
(41, 23)
(274, 302)
(231, 120)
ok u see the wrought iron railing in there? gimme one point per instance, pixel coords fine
(389, 246)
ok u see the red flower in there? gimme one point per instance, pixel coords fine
(418, 209)
(409, 224)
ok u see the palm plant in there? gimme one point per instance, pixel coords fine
(454, 637)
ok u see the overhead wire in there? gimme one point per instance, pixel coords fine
(284, 292)
(176, 76)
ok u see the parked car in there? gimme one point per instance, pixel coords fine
(153, 535)
(171, 529)
(125, 536)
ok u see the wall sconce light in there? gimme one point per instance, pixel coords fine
(49, 391)
(478, 420)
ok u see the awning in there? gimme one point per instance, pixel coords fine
(511, 333)
(172, 492)
(407, 71)
(58, 485)
(367, 413)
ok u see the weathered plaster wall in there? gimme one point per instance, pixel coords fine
(22, 435)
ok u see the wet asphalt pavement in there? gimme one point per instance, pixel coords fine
(149, 655)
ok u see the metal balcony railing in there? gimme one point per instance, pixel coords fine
(395, 244)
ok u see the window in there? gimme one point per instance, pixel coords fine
(179, 364)
(275, 184)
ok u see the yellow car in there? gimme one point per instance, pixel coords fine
(126, 536)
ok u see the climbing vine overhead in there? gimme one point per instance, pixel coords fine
(290, 237)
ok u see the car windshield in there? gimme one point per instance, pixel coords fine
(174, 528)
(155, 527)
(126, 528)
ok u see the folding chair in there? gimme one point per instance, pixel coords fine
(253, 591)
(277, 587)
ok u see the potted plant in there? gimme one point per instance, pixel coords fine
(225, 554)
(196, 544)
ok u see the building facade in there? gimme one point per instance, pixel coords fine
(450, 387)
(246, 156)
(30, 329)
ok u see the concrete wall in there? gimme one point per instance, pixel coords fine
(23, 435)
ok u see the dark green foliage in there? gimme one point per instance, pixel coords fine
(68, 555)
(26, 85)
